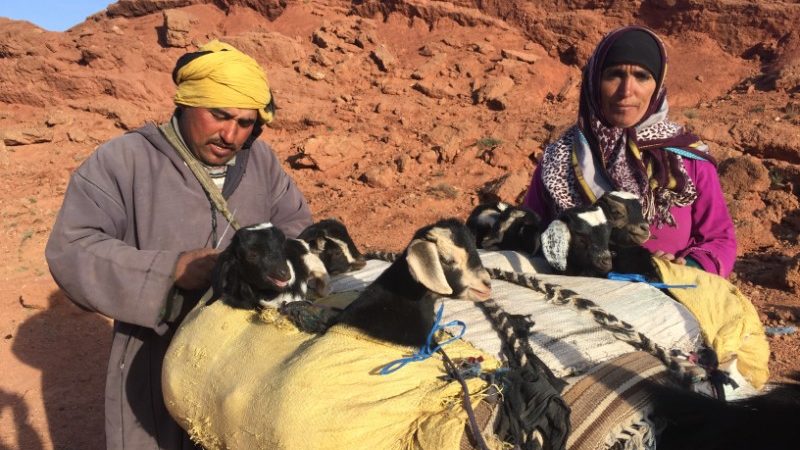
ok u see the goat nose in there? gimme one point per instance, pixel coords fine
(604, 261)
(282, 273)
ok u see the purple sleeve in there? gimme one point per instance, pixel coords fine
(713, 236)
(537, 199)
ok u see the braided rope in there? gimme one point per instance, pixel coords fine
(515, 350)
(620, 329)
(558, 295)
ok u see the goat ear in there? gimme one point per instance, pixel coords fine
(424, 265)
(221, 277)
(555, 244)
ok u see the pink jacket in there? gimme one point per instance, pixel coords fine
(704, 230)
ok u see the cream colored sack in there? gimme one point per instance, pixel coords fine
(237, 380)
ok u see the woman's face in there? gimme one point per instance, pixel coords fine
(625, 92)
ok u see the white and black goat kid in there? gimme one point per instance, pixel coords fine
(483, 218)
(262, 267)
(623, 212)
(440, 261)
(330, 240)
(499, 226)
(577, 243)
(629, 230)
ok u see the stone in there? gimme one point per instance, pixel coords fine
(383, 58)
(330, 152)
(742, 174)
(27, 136)
(177, 25)
(429, 89)
(529, 58)
(58, 117)
(321, 58)
(315, 75)
(431, 68)
(77, 135)
(509, 188)
(378, 177)
(322, 39)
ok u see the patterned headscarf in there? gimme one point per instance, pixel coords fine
(220, 76)
(594, 157)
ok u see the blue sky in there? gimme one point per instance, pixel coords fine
(52, 15)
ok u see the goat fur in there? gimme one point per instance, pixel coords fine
(629, 230)
(516, 229)
(577, 243)
(694, 421)
(483, 218)
(331, 242)
(260, 265)
(624, 213)
(440, 260)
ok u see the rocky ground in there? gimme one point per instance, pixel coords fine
(391, 114)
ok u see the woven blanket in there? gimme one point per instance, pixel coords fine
(609, 407)
(569, 342)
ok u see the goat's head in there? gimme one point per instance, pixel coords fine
(577, 242)
(254, 262)
(624, 212)
(443, 258)
(331, 242)
(310, 267)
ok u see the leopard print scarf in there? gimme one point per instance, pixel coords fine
(623, 170)
(592, 157)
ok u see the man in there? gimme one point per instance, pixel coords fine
(136, 238)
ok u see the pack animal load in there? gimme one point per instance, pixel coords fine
(610, 355)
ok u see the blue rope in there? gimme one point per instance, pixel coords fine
(426, 351)
(685, 153)
(635, 277)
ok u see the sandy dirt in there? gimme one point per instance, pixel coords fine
(391, 115)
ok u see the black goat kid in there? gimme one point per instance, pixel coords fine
(440, 261)
(330, 240)
(499, 226)
(261, 265)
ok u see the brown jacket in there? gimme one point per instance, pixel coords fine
(129, 211)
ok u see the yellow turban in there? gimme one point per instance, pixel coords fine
(220, 76)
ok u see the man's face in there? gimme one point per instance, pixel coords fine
(214, 135)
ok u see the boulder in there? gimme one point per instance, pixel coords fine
(177, 25)
(742, 174)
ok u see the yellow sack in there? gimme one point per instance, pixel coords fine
(236, 380)
(728, 319)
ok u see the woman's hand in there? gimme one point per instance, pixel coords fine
(669, 257)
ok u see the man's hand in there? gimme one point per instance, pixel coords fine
(669, 257)
(193, 270)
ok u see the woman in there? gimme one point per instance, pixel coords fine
(623, 141)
